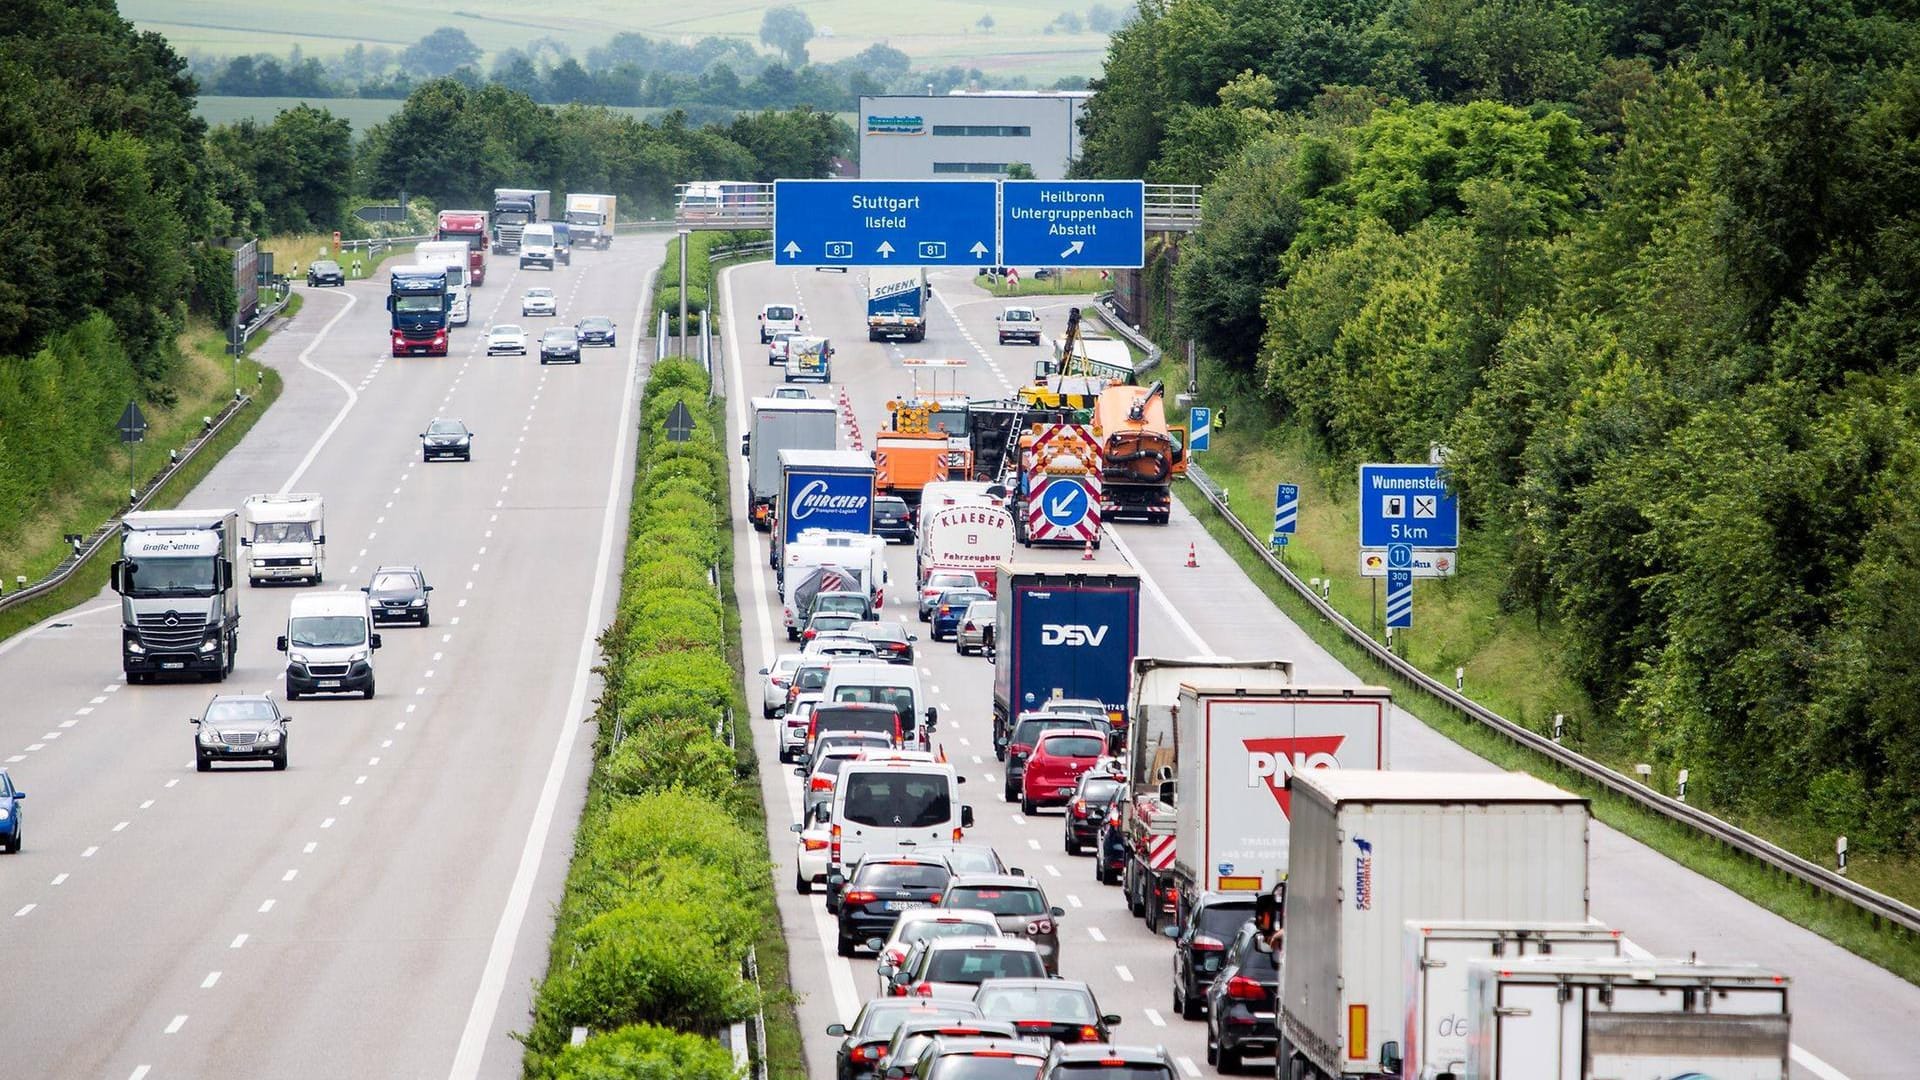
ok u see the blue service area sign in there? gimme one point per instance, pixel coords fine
(1200, 430)
(1065, 504)
(1399, 597)
(1073, 223)
(884, 222)
(1407, 504)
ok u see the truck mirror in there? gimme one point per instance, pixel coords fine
(116, 576)
(244, 542)
(373, 641)
(1390, 1057)
(966, 817)
(1266, 912)
(322, 540)
(933, 717)
(280, 643)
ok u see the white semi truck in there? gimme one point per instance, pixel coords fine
(179, 609)
(456, 256)
(780, 424)
(285, 538)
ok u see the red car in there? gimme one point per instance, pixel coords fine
(1053, 769)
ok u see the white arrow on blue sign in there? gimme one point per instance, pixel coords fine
(1065, 504)
(1286, 508)
(1400, 599)
(1200, 428)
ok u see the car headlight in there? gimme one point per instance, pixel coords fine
(271, 735)
(306, 562)
(297, 658)
(419, 601)
(208, 736)
(210, 645)
(5, 813)
(357, 657)
(135, 647)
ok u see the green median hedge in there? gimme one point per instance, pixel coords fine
(699, 286)
(660, 907)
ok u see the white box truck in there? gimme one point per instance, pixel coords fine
(1240, 749)
(456, 256)
(285, 538)
(590, 218)
(1371, 850)
(1564, 1019)
(780, 424)
(1437, 957)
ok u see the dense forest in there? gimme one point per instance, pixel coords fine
(1648, 273)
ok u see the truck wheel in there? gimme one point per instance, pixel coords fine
(1153, 906)
(1134, 906)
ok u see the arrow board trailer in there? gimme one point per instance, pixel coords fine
(1437, 958)
(1064, 633)
(821, 489)
(285, 538)
(1569, 1019)
(782, 424)
(1369, 851)
(1065, 509)
(1239, 751)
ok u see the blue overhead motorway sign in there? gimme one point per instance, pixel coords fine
(1095, 223)
(883, 222)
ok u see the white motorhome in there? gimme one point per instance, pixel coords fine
(456, 256)
(329, 645)
(863, 554)
(285, 538)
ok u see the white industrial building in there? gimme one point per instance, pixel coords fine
(969, 134)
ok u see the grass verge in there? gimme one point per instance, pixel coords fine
(1835, 920)
(1064, 283)
(303, 248)
(204, 385)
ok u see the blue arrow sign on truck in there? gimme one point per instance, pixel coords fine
(884, 222)
(1073, 223)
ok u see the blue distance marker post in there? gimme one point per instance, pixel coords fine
(1200, 428)
(1286, 513)
(884, 222)
(1399, 599)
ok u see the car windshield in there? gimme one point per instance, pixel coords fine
(1073, 746)
(283, 532)
(898, 800)
(170, 575)
(999, 899)
(507, 331)
(970, 860)
(559, 335)
(810, 678)
(446, 427)
(883, 632)
(988, 1065)
(980, 609)
(832, 719)
(941, 582)
(229, 711)
(977, 966)
(900, 697)
(883, 1018)
(596, 323)
(1100, 791)
(1256, 964)
(416, 304)
(958, 599)
(1037, 1003)
(905, 875)
(829, 620)
(327, 631)
(925, 929)
(890, 505)
(779, 311)
(539, 294)
(1019, 315)
(394, 582)
(326, 267)
(1221, 921)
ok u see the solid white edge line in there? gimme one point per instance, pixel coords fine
(846, 997)
(472, 1049)
(1153, 587)
(353, 396)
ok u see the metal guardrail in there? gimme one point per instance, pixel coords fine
(1877, 905)
(1110, 314)
(1169, 207)
(88, 548)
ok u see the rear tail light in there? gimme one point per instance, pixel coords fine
(808, 635)
(814, 845)
(859, 896)
(894, 956)
(834, 853)
(1033, 1023)
(934, 899)
(865, 1053)
(923, 990)
(1203, 943)
(1088, 1033)
(1241, 988)
(821, 783)
(1079, 808)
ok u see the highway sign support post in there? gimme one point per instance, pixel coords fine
(1408, 506)
(1200, 426)
(1085, 223)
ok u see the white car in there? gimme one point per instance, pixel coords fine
(811, 848)
(775, 680)
(793, 728)
(840, 645)
(777, 348)
(539, 301)
(506, 338)
(926, 923)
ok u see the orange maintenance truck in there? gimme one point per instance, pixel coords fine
(1140, 455)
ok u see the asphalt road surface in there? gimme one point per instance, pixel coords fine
(1852, 1019)
(382, 907)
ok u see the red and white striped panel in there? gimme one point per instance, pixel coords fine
(1159, 852)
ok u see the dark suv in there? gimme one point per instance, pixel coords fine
(325, 272)
(1241, 1002)
(1200, 947)
(399, 592)
(1087, 808)
(892, 520)
(596, 330)
(880, 888)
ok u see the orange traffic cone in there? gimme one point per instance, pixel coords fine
(1086, 555)
(1193, 560)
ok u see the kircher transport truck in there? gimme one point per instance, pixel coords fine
(179, 607)
(1065, 633)
(821, 489)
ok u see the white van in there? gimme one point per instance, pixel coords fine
(285, 538)
(897, 685)
(329, 645)
(884, 804)
(776, 319)
(537, 246)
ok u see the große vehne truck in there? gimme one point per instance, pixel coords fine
(1369, 851)
(1240, 750)
(1149, 813)
(1567, 1019)
(821, 489)
(285, 538)
(455, 257)
(418, 298)
(469, 226)
(1066, 633)
(592, 220)
(896, 304)
(782, 424)
(179, 605)
(1438, 955)
(513, 210)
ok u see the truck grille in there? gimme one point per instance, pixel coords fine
(326, 671)
(172, 629)
(239, 738)
(280, 562)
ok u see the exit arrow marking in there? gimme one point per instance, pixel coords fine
(791, 249)
(1074, 248)
(885, 249)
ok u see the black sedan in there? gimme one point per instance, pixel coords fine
(595, 330)
(1062, 1010)
(446, 438)
(1241, 1001)
(892, 519)
(1088, 807)
(880, 888)
(240, 727)
(399, 594)
(325, 272)
(1110, 849)
(864, 1042)
(560, 345)
(891, 642)
(1200, 946)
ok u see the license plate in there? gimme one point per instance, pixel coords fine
(238, 749)
(329, 682)
(172, 665)
(904, 905)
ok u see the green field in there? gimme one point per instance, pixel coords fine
(937, 33)
(362, 113)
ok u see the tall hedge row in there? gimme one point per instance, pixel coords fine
(659, 911)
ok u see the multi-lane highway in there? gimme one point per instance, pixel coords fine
(1851, 1019)
(382, 907)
